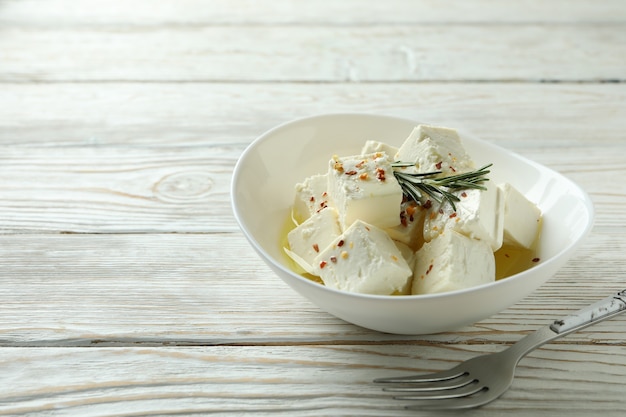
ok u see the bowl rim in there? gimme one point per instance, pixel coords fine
(571, 246)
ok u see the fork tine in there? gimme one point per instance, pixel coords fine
(467, 390)
(443, 385)
(482, 397)
(450, 374)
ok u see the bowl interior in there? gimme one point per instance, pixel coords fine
(265, 176)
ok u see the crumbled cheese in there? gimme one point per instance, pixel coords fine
(452, 262)
(364, 259)
(364, 187)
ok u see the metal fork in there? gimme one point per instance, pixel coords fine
(482, 379)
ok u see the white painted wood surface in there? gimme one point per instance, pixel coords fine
(125, 285)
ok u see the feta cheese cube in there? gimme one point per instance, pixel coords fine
(364, 259)
(452, 262)
(312, 236)
(522, 218)
(311, 197)
(373, 146)
(434, 148)
(478, 215)
(364, 187)
(410, 229)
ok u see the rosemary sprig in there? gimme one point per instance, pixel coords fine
(415, 185)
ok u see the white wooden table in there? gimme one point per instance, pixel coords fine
(126, 287)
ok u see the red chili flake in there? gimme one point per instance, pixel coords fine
(353, 172)
(360, 164)
(440, 211)
(323, 204)
(312, 199)
(322, 264)
(333, 259)
(453, 215)
(428, 204)
(380, 174)
(507, 255)
(430, 268)
(536, 259)
(463, 194)
(340, 243)
(452, 169)
(324, 194)
(316, 247)
(438, 164)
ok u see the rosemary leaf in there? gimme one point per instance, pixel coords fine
(416, 185)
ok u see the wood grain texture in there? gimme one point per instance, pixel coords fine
(519, 116)
(309, 381)
(294, 53)
(126, 287)
(46, 13)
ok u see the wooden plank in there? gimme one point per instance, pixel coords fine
(298, 381)
(105, 190)
(521, 117)
(280, 12)
(529, 52)
(197, 289)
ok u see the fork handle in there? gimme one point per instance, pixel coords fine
(602, 310)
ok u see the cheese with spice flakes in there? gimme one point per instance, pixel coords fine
(394, 246)
(314, 234)
(452, 262)
(479, 215)
(364, 259)
(364, 187)
(434, 148)
(373, 146)
(522, 218)
(410, 229)
(311, 196)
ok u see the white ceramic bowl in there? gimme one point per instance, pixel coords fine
(263, 191)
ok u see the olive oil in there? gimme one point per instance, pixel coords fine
(511, 259)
